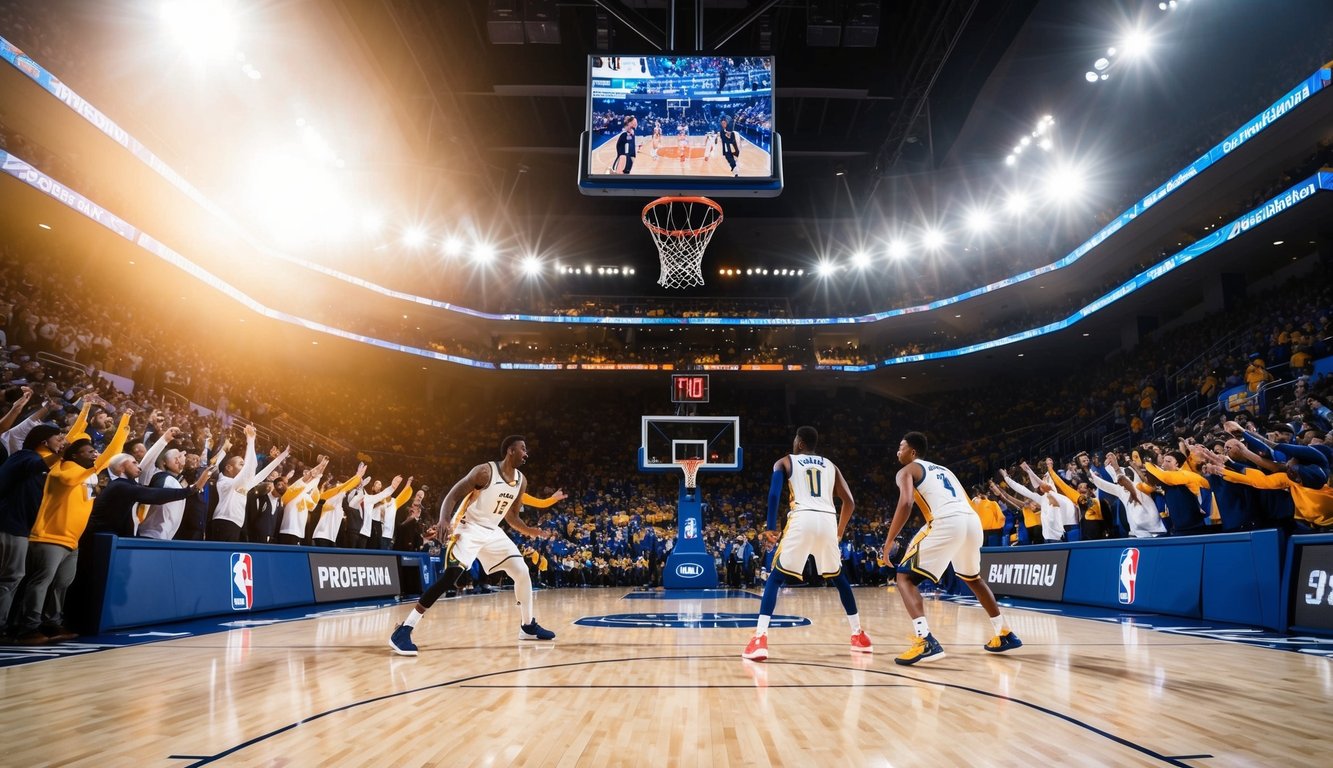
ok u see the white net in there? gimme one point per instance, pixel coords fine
(691, 469)
(681, 227)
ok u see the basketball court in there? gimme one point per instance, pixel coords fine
(328, 690)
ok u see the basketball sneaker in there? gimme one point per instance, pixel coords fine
(861, 642)
(925, 649)
(757, 650)
(534, 631)
(401, 641)
(1003, 642)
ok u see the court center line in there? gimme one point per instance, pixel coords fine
(458, 683)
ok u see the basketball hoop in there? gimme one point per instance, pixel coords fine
(681, 227)
(691, 469)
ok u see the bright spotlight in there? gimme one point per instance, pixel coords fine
(860, 259)
(1136, 43)
(1016, 204)
(414, 237)
(800, 273)
(979, 221)
(1090, 76)
(453, 245)
(1046, 144)
(1064, 184)
(933, 239)
(532, 266)
(897, 249)
(824, 268)
(205, 29)
(1011, 159)
(483, 253)
(1101, 64)
(1026, 140)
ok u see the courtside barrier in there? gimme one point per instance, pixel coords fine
(136, 582)
(1227, 577)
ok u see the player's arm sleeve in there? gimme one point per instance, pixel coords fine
(536, 503)
(1256, 479)
(1022, 490)
(1193, 480)
(775, 497)
(1063, 487)
(1304, 454)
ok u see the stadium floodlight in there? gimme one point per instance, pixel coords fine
(825, 268)
(483, 253)
(1046, 144)
(933, 239)
(800, 273)
(1136, 43)
(414, 237)
(1090, 76)
(1026, 140)
(1016, 204)
(1064, 184)
(860, 259)
(1011, 160)
(205, 29)
(979, 221)
(453, 245)
(1101, 64)
(532, 266)
(897, 249)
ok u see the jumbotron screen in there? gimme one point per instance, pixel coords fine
(705, 117)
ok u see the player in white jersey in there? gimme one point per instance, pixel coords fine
(710, 144)
(814, 527)
(952, 534)
(496, 490)
(656, 142)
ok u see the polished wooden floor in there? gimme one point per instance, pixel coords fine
(328, 691)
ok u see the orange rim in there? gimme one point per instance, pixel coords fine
(709, 227)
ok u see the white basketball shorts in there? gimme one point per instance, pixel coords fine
(809, 532)
(491, 546)
(954, 539)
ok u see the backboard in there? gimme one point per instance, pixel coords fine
(667, 439)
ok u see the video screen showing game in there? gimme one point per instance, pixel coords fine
(708, 117)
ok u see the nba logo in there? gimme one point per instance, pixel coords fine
(1129, 575)
(691, 528)
(242, 582)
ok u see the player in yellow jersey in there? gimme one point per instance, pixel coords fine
(952, 534)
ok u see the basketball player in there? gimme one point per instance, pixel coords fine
(730, 148)
(814, 527)
(710, 143)
(683, 141)
(952, 534)
(656, 142)
(626, 146)
(478, 538)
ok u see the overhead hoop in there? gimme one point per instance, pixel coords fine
(681, 228)
(691, 469)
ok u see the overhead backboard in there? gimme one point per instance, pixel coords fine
(668, 439)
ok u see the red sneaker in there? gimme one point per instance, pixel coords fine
(861, 642)
(757, 650)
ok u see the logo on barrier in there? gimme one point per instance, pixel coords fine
(689, 570)
(1129, 575)
(691, 528)
(242, 581)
